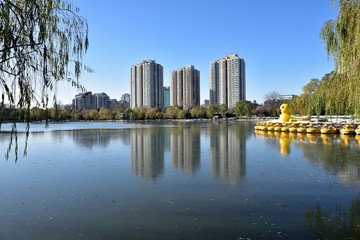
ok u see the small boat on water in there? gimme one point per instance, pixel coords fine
(357, 130)
(271, 127)
(293, 128)
(263, 127)
(347, 130)
(285, 128)
(278, 127)
(326, 129)
(301, 128)
(312, 129)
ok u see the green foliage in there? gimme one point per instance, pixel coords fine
(153, 113)
(171, 112)
(105, 114)
(342, 39)
(42, 42)
(223, 109)
(210, 111)
(198, 112)
(180, 114)
(242, 108)
(311, 86)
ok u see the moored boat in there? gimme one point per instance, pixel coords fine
(357, 130)
(293, 128)
(285, 128)
(278, 127)
(347, 130)
(312, 129)
(271, 127)
(326, 129)
(301, 128)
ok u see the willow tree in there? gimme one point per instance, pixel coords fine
(42, 43)
(342, 40)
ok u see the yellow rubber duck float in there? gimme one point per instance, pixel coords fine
(347, 130)
(293, 128)
(312, 129)
(326, 129)
(301, 128)
(286, 117)
(357, 130)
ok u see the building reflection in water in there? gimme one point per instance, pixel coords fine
(185, 147)
(91, 138)
(228, 151)
(147, 152)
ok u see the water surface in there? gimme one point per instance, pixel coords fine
(178, 181)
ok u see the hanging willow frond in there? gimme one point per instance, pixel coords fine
(342, 40)
(42, 42)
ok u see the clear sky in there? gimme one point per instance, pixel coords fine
(278, 39)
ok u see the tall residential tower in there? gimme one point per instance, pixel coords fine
(185, 87)
(227, 80)
(147, 85)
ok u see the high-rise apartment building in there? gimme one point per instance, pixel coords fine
(227, 80)
(166, 97)
(147, 85)
(101, 100)
(185, 87)
(88, 100)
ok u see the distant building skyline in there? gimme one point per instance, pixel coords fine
(88, 100)
(147, 85)
(227, 85)
(185, 87)
(227, 80)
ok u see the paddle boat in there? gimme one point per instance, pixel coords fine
(285, 128)
(257, 126)
(347, 130)
(357, 130)
(312, 129)
(271, 126)
(301, 128)
(326, 129)
(263, 127)
(278, 127)
(293, 128)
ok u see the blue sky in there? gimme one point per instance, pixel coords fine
(279, 41)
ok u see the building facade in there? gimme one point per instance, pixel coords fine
(125, 100)
(147, 85)
(101, 100)
(227, 80)
(166, 97)
(185, 87)
(88, 100)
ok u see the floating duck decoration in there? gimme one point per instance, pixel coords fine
(301, 128)
(293, 128)
(312, 129)
(347, 130)
(278, 127)
(271, 126)
(326, 129)
(285, 128)
(357, 130)
(286, 117)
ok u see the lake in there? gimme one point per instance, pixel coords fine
(177, 180)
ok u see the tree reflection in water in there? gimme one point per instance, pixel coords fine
(336, 224)
(336, 154)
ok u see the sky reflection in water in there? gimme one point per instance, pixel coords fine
(179, 181)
